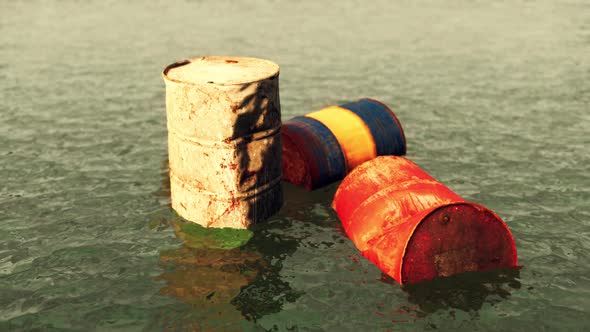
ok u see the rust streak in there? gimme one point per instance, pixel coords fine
(234, 203)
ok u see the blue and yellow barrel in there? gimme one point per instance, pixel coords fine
(321, 147)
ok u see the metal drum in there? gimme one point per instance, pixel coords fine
(415, 228)
(224, 141)
(317, 153)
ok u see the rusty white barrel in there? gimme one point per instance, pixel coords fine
(224, 142)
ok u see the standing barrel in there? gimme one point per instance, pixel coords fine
(415, 228)
(320, 148)
(224, 146)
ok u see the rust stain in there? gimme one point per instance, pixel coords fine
(198, 185)
(455, 261)
(354, 258)
(189, 102)
(234, 203)
(182, 204)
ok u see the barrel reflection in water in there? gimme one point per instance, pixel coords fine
(225, 276)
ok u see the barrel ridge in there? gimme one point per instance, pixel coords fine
(227, 143)
(241, 195)
(397, 203)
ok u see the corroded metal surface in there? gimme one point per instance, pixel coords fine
(224, 140)
(312, 156)
(336, 139)
(415, 228)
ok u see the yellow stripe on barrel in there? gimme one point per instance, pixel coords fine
(352, 133)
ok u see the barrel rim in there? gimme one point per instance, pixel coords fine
(395, 118)
(191, 59)
(429, 212)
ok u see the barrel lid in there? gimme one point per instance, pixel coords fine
(456, 238)
(221, 70)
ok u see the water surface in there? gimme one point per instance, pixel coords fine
(494, 98)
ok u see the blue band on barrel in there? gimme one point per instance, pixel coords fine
(324, 155)
(387, 132)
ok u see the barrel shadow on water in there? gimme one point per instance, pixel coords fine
(267, 293)
(225, 287)
(467, 291)
(299, 204)
(206, 279)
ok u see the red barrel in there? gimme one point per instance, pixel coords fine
(415, 228)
